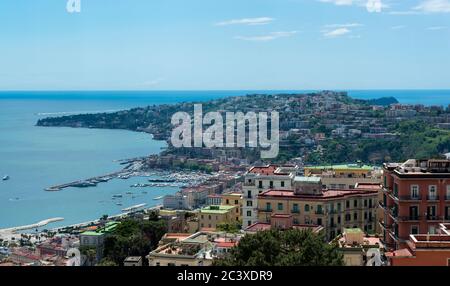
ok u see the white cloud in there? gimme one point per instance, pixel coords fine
(336, 33)
(247, 21)
(372, 6)
(426, 7)
(399, 27)
(338, 2)
(433, 6)
(269, 37)
(347, 25)
(437, 28)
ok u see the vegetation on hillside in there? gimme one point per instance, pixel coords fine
(283, 248)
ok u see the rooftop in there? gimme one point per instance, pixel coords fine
(413, 167)
(315, 180)
(217, 209)
(108, 228)
(326, 194)
(342, 167)
(259, 226)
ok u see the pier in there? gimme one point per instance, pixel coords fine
(92, 182)
(9, 232)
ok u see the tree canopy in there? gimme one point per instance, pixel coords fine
(283, 248)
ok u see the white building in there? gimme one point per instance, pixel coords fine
(259, 179)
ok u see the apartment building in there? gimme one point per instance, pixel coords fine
(416, 199)
(260, 179)
(424, 250)
(308, 203)
(211, 216)
(344, 176)
(199, 249)
(233, 199)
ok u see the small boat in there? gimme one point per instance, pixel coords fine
(119, 204)
(158, 198)
(5, 178)
(117, 196)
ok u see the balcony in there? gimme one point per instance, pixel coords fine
(295, 211)
(410, 198)
(409, 218)
(266, 210)
(319, 212)
(433, 198)
(432, 218)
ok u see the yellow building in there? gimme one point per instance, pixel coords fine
(341, 171)
(234, 199)
(211, 216)
(309, 204)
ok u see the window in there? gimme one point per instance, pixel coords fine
(365, 203)
(431, 212)
(395, 190)
(209, 217)
(282, 183)
(306, 208)
(228, 201)
(414, 191)
(370, 203)
(432, 192)
(347, 204)
(414, 229)
(260, 184)
(319, 209)
(432, 229)
(447, 213)
(339, 207)
(202, 216)
(319, 221)
(355, 216)
(355, 203)
(271, 184)
(365, 215)
(385, 181)
(249, 203)
(249, 223)
(236, 202)
(268, 207)
(280, 206)
(249, 213)
(414, 212)
(447, 195)
(249, 194)
(339, 219)
(295, 208)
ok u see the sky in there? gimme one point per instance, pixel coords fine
(224, 44)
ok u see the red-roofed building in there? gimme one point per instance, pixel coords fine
(259, 179)
(416, 199)
(424, 250)
(309, 204)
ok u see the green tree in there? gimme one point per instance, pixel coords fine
(107, 262)
(283, 248)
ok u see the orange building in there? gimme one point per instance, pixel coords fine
(416, 199)
(424, 250)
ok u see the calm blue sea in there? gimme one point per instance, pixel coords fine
(37, 157)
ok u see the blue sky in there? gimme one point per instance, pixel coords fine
(225, 44)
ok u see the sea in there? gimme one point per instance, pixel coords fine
(38, 157)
